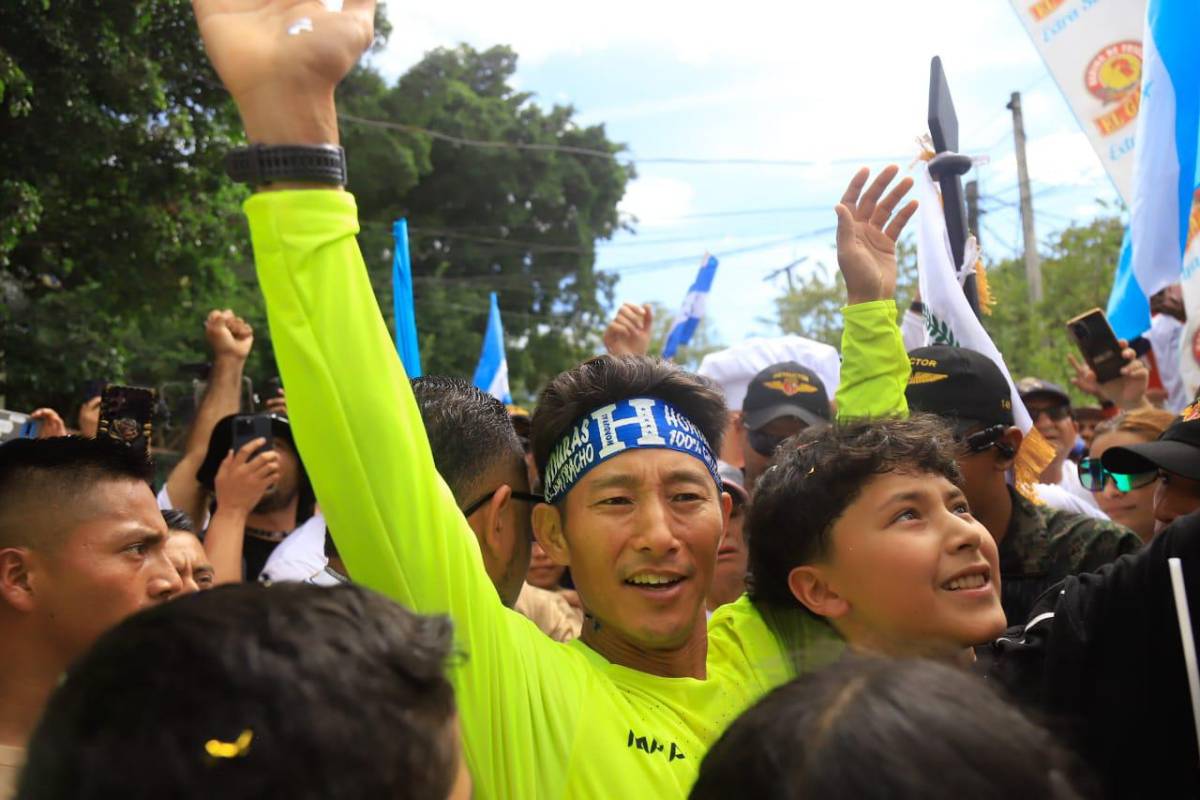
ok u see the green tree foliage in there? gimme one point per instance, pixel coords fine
(520, 222)
(1077, 275)
(119, 229)
(117, 226)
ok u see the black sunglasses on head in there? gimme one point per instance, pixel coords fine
(1055, 413)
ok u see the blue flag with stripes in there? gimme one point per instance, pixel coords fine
(402, 301)
(492, 373)
(1165, 168)
(692, 311)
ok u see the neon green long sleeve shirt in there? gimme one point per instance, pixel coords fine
(539, 718)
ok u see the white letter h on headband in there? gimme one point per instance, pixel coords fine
(644, 417)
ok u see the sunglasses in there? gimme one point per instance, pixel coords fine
(1055, 413)
(478, 504)
(1094, 476)
(765, 444)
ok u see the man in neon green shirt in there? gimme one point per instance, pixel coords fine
(630, 708)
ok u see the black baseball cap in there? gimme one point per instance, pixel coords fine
(221, 442)
(785, 389)
(1028, 387)
(1177, 451)
(962, 385)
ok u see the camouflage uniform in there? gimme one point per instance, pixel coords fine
(1043, 545)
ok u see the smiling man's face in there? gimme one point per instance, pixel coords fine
(641, 533)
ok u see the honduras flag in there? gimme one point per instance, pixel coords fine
(1164, 167)
(492, 373)
(693, 307)
(402, 301)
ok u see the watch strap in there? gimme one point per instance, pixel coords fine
(261, 164)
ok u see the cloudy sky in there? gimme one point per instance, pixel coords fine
(836, 85)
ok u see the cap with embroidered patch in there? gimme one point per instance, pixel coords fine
(962, 385)
(785, 390)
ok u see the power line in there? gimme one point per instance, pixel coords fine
(493, 144)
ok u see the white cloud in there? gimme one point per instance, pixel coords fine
(657, 200)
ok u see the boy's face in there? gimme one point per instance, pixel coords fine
(915, 573)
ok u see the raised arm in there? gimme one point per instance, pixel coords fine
(356, 424)
(875, 365)
(230, 339)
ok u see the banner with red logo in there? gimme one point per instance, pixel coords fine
(1093, 49)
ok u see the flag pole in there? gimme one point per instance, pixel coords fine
(947, 168)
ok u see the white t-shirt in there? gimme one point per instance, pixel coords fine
(1056, 496)
(164, 503)
(299, 556)
(1165, 334)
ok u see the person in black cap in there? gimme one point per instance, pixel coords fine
(1039, 546)
(258, 498)
(781, 401)
(1049, 407)
(1176, 459)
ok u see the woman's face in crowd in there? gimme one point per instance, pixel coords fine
(642, 531)
(1133, 509)
(917, 573)
(543, 572)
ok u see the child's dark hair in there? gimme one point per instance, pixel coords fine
(886, 728)
(816, 475)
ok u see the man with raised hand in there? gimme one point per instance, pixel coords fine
(630, 708)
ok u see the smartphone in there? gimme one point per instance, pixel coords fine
(15, 425)
(248, 427)
(127, 416)
(274, 387)
(1098, 344)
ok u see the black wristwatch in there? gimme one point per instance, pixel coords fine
(261, 164)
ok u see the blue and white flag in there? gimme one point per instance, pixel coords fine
(1164, 168)
(693, 308)
(492, 373)
(402, 301)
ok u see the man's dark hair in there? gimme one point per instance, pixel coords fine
(816, 475)
(886, 728)
(335, 692)
(469, 432)
(178, 520)
(49, 476)
(607, 379)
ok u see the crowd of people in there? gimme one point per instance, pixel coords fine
(822, 577)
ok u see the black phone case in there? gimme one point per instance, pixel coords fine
(1098, 344)
(259, 427)
(126, 416)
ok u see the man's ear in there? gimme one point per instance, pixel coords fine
(1007, 447)
(495, 538)
(16, 582)
(548, 530)
(810, 586)
(726, 512)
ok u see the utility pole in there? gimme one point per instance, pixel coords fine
(1033, 264)
(972, 188)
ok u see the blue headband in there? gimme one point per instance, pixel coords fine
(631, 423)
